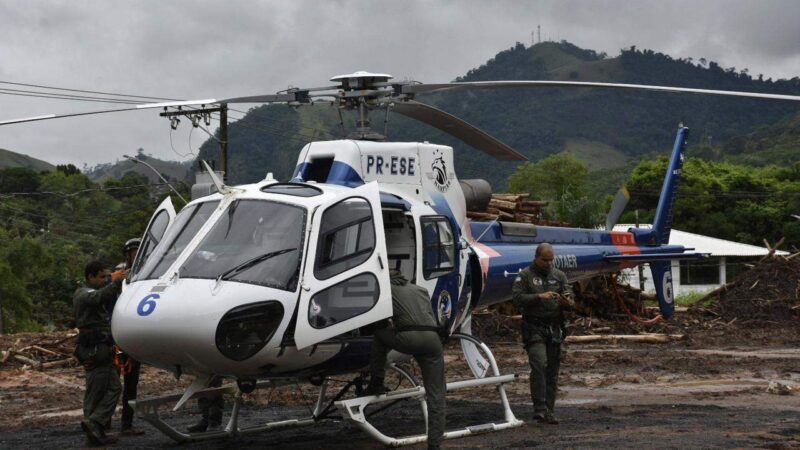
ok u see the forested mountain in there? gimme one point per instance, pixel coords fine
(539, 122)
(170, 170)
(10, 159)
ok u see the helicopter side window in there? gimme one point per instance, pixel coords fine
(438, 247)
(347, 237)
(343, 301)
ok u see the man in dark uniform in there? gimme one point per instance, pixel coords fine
(129, 367)
(210, 410)
(415, 333)
(94, 349)
(542, 293)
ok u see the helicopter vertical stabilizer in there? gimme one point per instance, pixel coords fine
(662, 278)
(662, 225)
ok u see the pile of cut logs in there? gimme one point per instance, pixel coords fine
(46, 352)
(513, 208)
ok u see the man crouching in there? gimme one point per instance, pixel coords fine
(414, 333)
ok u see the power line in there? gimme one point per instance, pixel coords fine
(82, 191)
(62, 97)
(88, 92)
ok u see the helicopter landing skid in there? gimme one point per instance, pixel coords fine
(148, 410)
(354, 409)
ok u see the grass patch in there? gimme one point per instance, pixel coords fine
(596, 155)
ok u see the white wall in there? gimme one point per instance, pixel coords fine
(632, 276)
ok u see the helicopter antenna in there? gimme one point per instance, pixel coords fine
(386, 121)
(341, 122)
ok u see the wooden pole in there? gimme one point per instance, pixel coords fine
(223, 137)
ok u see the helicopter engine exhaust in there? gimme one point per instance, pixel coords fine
(477, 193)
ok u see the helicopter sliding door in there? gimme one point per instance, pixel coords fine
(159, 223)
(346, 277)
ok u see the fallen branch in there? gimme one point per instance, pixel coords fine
(59, 363)
(28, 361)
(44, 350)
(716, 291)
(613, 338)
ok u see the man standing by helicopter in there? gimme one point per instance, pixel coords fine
(128, 366)
(542, 292)
(414, 333)
(94, 350)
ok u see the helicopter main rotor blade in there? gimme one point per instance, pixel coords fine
(108, 111)
(440, 87)
(267, 98)
(61, 116)
(458, 128)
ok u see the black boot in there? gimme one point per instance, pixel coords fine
(200, 426)
(375, 387)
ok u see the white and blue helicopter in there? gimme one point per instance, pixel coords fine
(275, 282)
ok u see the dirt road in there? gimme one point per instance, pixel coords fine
(665, 396)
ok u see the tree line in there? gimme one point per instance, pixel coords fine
(51, 225)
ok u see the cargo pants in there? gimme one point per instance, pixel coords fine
(426, 348)
(102, 383)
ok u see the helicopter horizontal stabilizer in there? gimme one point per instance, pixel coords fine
(655, 257)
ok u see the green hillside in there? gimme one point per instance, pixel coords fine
(11, 159)
(539, 122)
(171, 170)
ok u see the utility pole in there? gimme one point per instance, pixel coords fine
(539, 31)
(639, 267)
(195, 116)
(223, 134)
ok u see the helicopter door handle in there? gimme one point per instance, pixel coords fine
(380, 261)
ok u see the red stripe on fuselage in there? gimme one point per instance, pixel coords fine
(626, 244)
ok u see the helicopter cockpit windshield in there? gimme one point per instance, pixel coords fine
(186, 225)
(253, 241)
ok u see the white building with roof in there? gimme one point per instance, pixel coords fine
(726, 260)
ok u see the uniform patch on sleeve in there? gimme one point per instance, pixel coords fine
(537, 281)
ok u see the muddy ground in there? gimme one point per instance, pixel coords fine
(708, 390)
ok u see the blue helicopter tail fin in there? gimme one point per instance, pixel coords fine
(662, 278)
(662, 225)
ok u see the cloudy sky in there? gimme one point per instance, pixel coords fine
(218, 49)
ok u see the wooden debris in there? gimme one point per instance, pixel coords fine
(513, 208)
(60, 363)
(26, 360)
(772, 249)
(44, 350)
(613, 338)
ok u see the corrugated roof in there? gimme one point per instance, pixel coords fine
(708, 244)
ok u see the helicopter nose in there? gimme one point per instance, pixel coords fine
(245, 330)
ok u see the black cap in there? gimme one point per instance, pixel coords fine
(131, 244)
